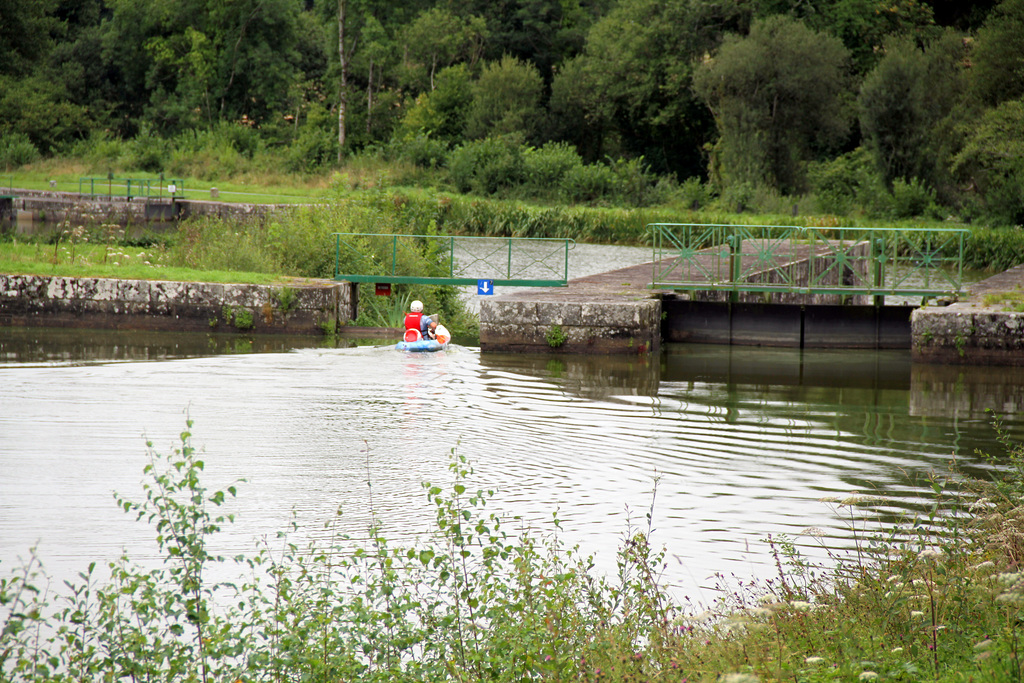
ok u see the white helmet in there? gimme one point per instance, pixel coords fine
(416, 307)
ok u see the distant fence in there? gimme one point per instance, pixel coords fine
(130, 188)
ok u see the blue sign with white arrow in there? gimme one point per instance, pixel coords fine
(485, 287)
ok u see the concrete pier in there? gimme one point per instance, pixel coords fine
(608, 313)
(300, 307)
(986, 327)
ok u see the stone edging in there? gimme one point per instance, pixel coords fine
(308, 308)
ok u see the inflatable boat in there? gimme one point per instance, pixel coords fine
(420, 345)
(414, 342)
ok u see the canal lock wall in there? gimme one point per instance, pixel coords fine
(104, 303)
(985, 327)
(596, 327)
(961, 334)
(71, 209)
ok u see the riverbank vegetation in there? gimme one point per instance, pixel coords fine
(845, 107)
(937, 597)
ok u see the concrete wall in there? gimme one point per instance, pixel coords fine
(571, 327)
(966, 334)
(28, 300)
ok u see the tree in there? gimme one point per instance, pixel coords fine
(441, 113)
(184, 63)
(638, 65)
(862, 25)
(579, 113)
(541, 32)
(998, 70)
(506, 99)
(991, 163)
(25, 27)
(907, 106)
(439, 38)
(777, 97)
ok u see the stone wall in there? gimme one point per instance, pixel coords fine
(307, 308)
(77, 209)
(968, 334)
(571, 327)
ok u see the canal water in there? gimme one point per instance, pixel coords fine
(739, 443)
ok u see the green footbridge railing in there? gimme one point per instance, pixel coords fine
(451, 260)
(926, 262)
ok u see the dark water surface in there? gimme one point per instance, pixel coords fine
(743, 442)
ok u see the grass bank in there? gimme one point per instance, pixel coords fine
(69, 259)
(936, 597)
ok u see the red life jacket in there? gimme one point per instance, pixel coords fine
(412, 321)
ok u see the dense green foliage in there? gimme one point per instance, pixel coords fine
(615, 102)
(477, 596)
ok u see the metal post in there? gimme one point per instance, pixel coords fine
(565, 272)
(394, 254)
(508, 268)
(878, 256)
(451, 256)
(734, 242)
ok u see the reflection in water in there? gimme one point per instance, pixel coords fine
(743, 442)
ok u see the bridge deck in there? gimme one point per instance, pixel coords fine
(624, 284)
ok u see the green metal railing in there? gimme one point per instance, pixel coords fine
(925, 262)
(149, 188)
(450, 260)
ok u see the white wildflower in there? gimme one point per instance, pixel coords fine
(739, 678)
(800, 605)
(930, 554)
(814, 660)
(916, 614)
(1009, 579)
(896, 650)
(867, 676)
(984, 645)
(1010, 598)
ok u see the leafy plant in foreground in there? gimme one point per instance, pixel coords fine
(176, 504)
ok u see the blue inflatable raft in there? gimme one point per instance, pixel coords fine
(420, 345)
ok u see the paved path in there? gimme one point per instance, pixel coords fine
(1011, 280)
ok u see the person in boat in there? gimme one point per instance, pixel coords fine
(439, 332)
(414, 319)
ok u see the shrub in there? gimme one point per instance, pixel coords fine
(846, 183)
(16, 149)
(146, 152)
(589, 183)
(694, 193)
(486, 166)
(913, 199)
(421, 150)
(634, 183)
(545, 167)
